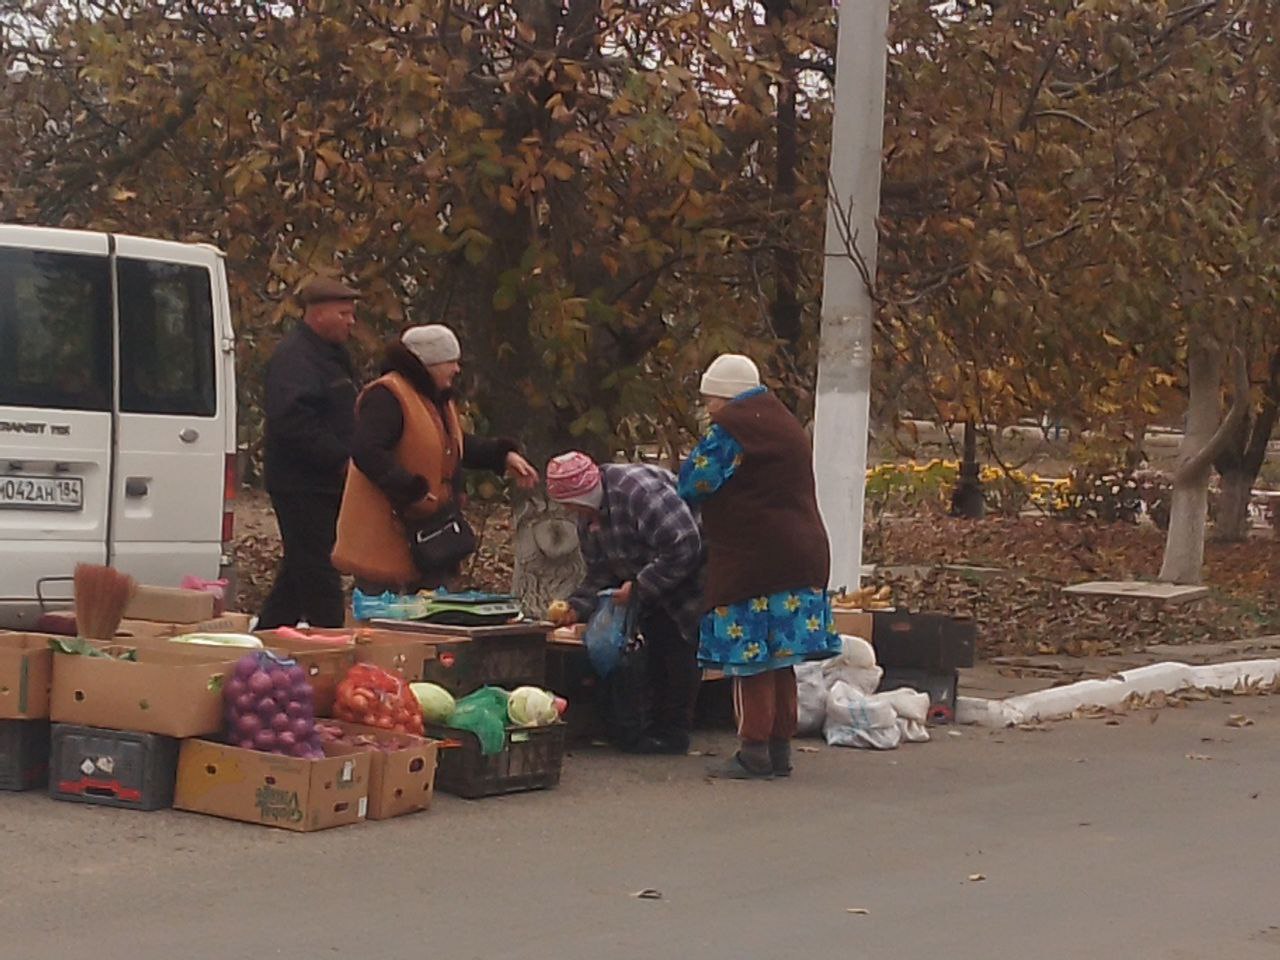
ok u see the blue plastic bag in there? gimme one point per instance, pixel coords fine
(608, 632)
(387, 606)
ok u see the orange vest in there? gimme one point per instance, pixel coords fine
(372, 543)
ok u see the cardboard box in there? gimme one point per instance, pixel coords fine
(26, 668)
(130, 631)
(401, 653)
(170, 692)
(266, 788)
(400, 781)
(157, 629)
(854, 623)
(227, 623)
(170, 605)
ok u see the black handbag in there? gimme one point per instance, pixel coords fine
(440, 542)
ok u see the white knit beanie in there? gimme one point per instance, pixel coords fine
(729, 375)
(432, 344)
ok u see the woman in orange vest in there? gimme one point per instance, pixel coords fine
(408, 454)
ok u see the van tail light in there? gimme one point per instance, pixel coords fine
(229, 478)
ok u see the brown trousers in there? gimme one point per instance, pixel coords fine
(765, 705)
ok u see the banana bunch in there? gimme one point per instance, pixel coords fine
(864, 598)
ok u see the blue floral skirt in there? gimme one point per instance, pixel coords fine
(768, 633)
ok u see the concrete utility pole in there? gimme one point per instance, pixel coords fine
(844, 357)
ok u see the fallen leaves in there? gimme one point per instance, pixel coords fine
(860, 911)
(977, 877)
(1239, 720)
(648, 893)
(1023, 611)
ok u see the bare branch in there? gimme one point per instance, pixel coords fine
(1045, 67)
(1068, 115)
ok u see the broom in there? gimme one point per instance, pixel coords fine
(101, 597)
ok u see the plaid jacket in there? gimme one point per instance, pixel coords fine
(648, 535)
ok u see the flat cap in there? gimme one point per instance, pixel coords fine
(324, 290)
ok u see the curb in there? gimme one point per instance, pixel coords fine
(1058, 703)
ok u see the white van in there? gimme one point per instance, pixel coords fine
(117, 412)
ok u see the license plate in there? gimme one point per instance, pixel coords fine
(42, 493)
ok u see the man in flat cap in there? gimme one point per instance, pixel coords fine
(310, 408)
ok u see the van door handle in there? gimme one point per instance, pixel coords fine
(189, 435)
(136, 487)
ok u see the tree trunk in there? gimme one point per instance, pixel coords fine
(548, 563)
(1231, 518)
(1241, 461)
(967, 499)
(1184, 543)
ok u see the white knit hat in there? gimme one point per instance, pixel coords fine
(729, 375)
(432, 344)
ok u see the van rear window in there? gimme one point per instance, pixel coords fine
(166, 339)
(55, 330)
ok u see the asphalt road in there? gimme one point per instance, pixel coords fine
(1137, 840)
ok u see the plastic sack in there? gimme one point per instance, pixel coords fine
(811, 698)
(855, 720)
(483, 713)
(376, 697)
(607, 633)
(268, 706)
(908, 704)
(855, 665)
(913, 731)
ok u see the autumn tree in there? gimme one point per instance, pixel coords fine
(582, 189)
(1077, 198)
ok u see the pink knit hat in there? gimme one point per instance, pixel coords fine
(574, 478)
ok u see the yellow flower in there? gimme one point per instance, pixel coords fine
(793, 603)
(814, 624)
(752, 652)
(735, 631)
(831, 628)
(760, 604)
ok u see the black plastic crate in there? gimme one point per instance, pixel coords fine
(530, 759)
(24, 754)
(114, 768)
(465, 665)
(932, 642)
(941, 688)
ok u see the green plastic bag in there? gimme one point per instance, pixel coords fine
(484, 713)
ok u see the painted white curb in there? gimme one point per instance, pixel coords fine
(1057, 703)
